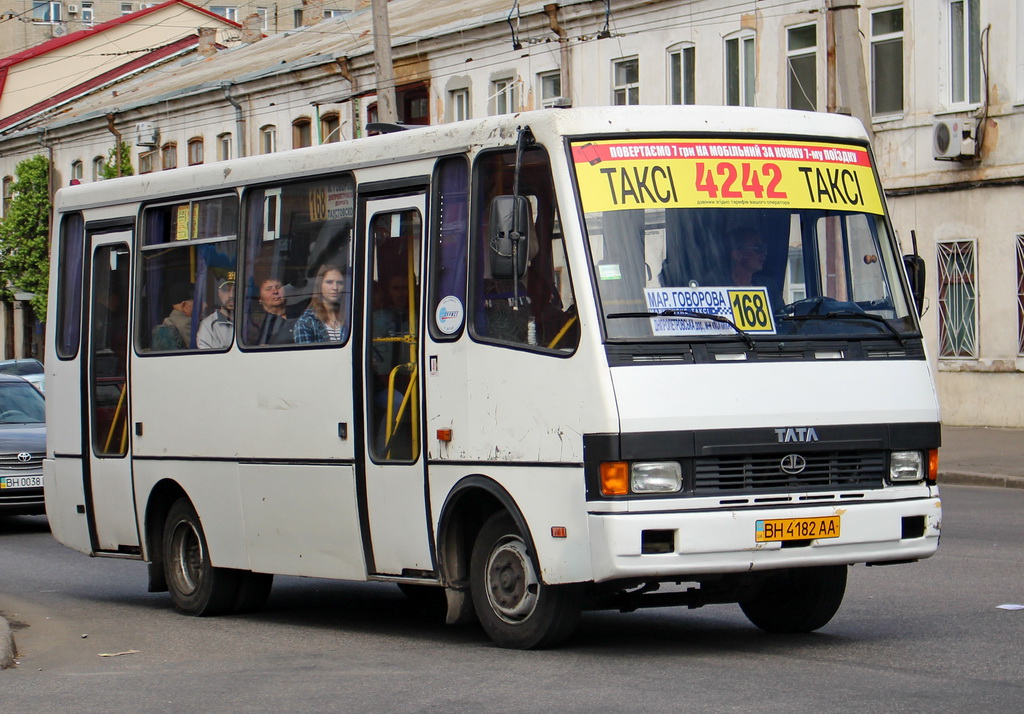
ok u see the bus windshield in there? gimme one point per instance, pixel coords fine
(756, 239)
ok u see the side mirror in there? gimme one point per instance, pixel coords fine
(914, 265)
(510, 231)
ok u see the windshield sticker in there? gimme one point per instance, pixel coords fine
(609, 271)
(746, 307)
(693, 173)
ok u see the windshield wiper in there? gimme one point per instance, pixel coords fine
(688, 313)
(849, 315)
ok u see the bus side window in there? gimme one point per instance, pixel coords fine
(298, 236)
(538, 310)
(188, 250)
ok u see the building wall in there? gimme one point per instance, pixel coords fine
(970, 200)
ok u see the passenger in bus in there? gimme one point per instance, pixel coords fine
(270, 324)
(322, 320)
(217, 329)
(175, 332)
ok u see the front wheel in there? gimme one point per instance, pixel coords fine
(515, 608)
(798, 600)
(196, 587)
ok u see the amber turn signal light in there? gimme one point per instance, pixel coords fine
(614, 478)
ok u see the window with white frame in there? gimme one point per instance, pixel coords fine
(126, 8)
(228, 12)
(964, 51)
(802, 67)
(264, 18)
(1020, 295)
(99, 164)
(626, 81)
(223, 146)
(458, 104)
(88, 13)
(958, 299)
(887, 61)
(77, 170)
(549, 85)
(268, 139)
(740, 70)
(506, 96)
(682, 74)
(334, 12)
(52, 12)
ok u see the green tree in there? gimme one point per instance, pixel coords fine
(110, 167)
(25, 232)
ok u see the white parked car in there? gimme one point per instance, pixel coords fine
(31, 370)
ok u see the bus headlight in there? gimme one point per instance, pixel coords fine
(656, 477)
(906, 466)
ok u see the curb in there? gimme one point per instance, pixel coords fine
(969, 478)
(8, 649)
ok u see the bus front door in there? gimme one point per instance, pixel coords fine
(110, 506)
(395, 481)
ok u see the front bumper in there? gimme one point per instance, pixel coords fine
(723, 541)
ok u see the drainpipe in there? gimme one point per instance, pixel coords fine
(551, 10)
(117, 135)
(239, 120)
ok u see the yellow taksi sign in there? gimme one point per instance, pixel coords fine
(616, 175)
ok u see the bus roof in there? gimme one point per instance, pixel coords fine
(427, 142)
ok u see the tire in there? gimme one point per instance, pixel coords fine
(514, 607)
(253, 591)
(196, 587)
(798, 600)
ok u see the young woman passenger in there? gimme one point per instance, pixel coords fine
(322, 321)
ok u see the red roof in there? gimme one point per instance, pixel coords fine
(58, 42)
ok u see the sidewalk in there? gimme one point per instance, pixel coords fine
(982, 456)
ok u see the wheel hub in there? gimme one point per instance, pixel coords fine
(512, 583)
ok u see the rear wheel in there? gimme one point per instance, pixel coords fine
(798, 600)
(196, 587)
(515, 608)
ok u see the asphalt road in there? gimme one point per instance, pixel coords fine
(923, 637)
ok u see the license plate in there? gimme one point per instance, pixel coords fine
(797, 529)
(21, 481)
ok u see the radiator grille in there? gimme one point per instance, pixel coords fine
(11, 462)
(763, 473)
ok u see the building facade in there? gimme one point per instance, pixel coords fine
(939, 83)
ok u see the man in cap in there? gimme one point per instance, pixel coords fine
(179, 323)
(217, 329)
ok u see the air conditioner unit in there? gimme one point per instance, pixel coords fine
(146, 134)
(72, 8)
(953, 139)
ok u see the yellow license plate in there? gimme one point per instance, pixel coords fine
(796, 529)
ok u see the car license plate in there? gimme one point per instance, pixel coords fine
(21, 481)
(797, 529)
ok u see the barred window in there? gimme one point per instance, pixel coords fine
(1020, 295)
(958, 300)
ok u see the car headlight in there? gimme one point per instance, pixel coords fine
(906, 466)
(656, 477)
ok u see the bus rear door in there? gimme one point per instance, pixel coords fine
(110, 505)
